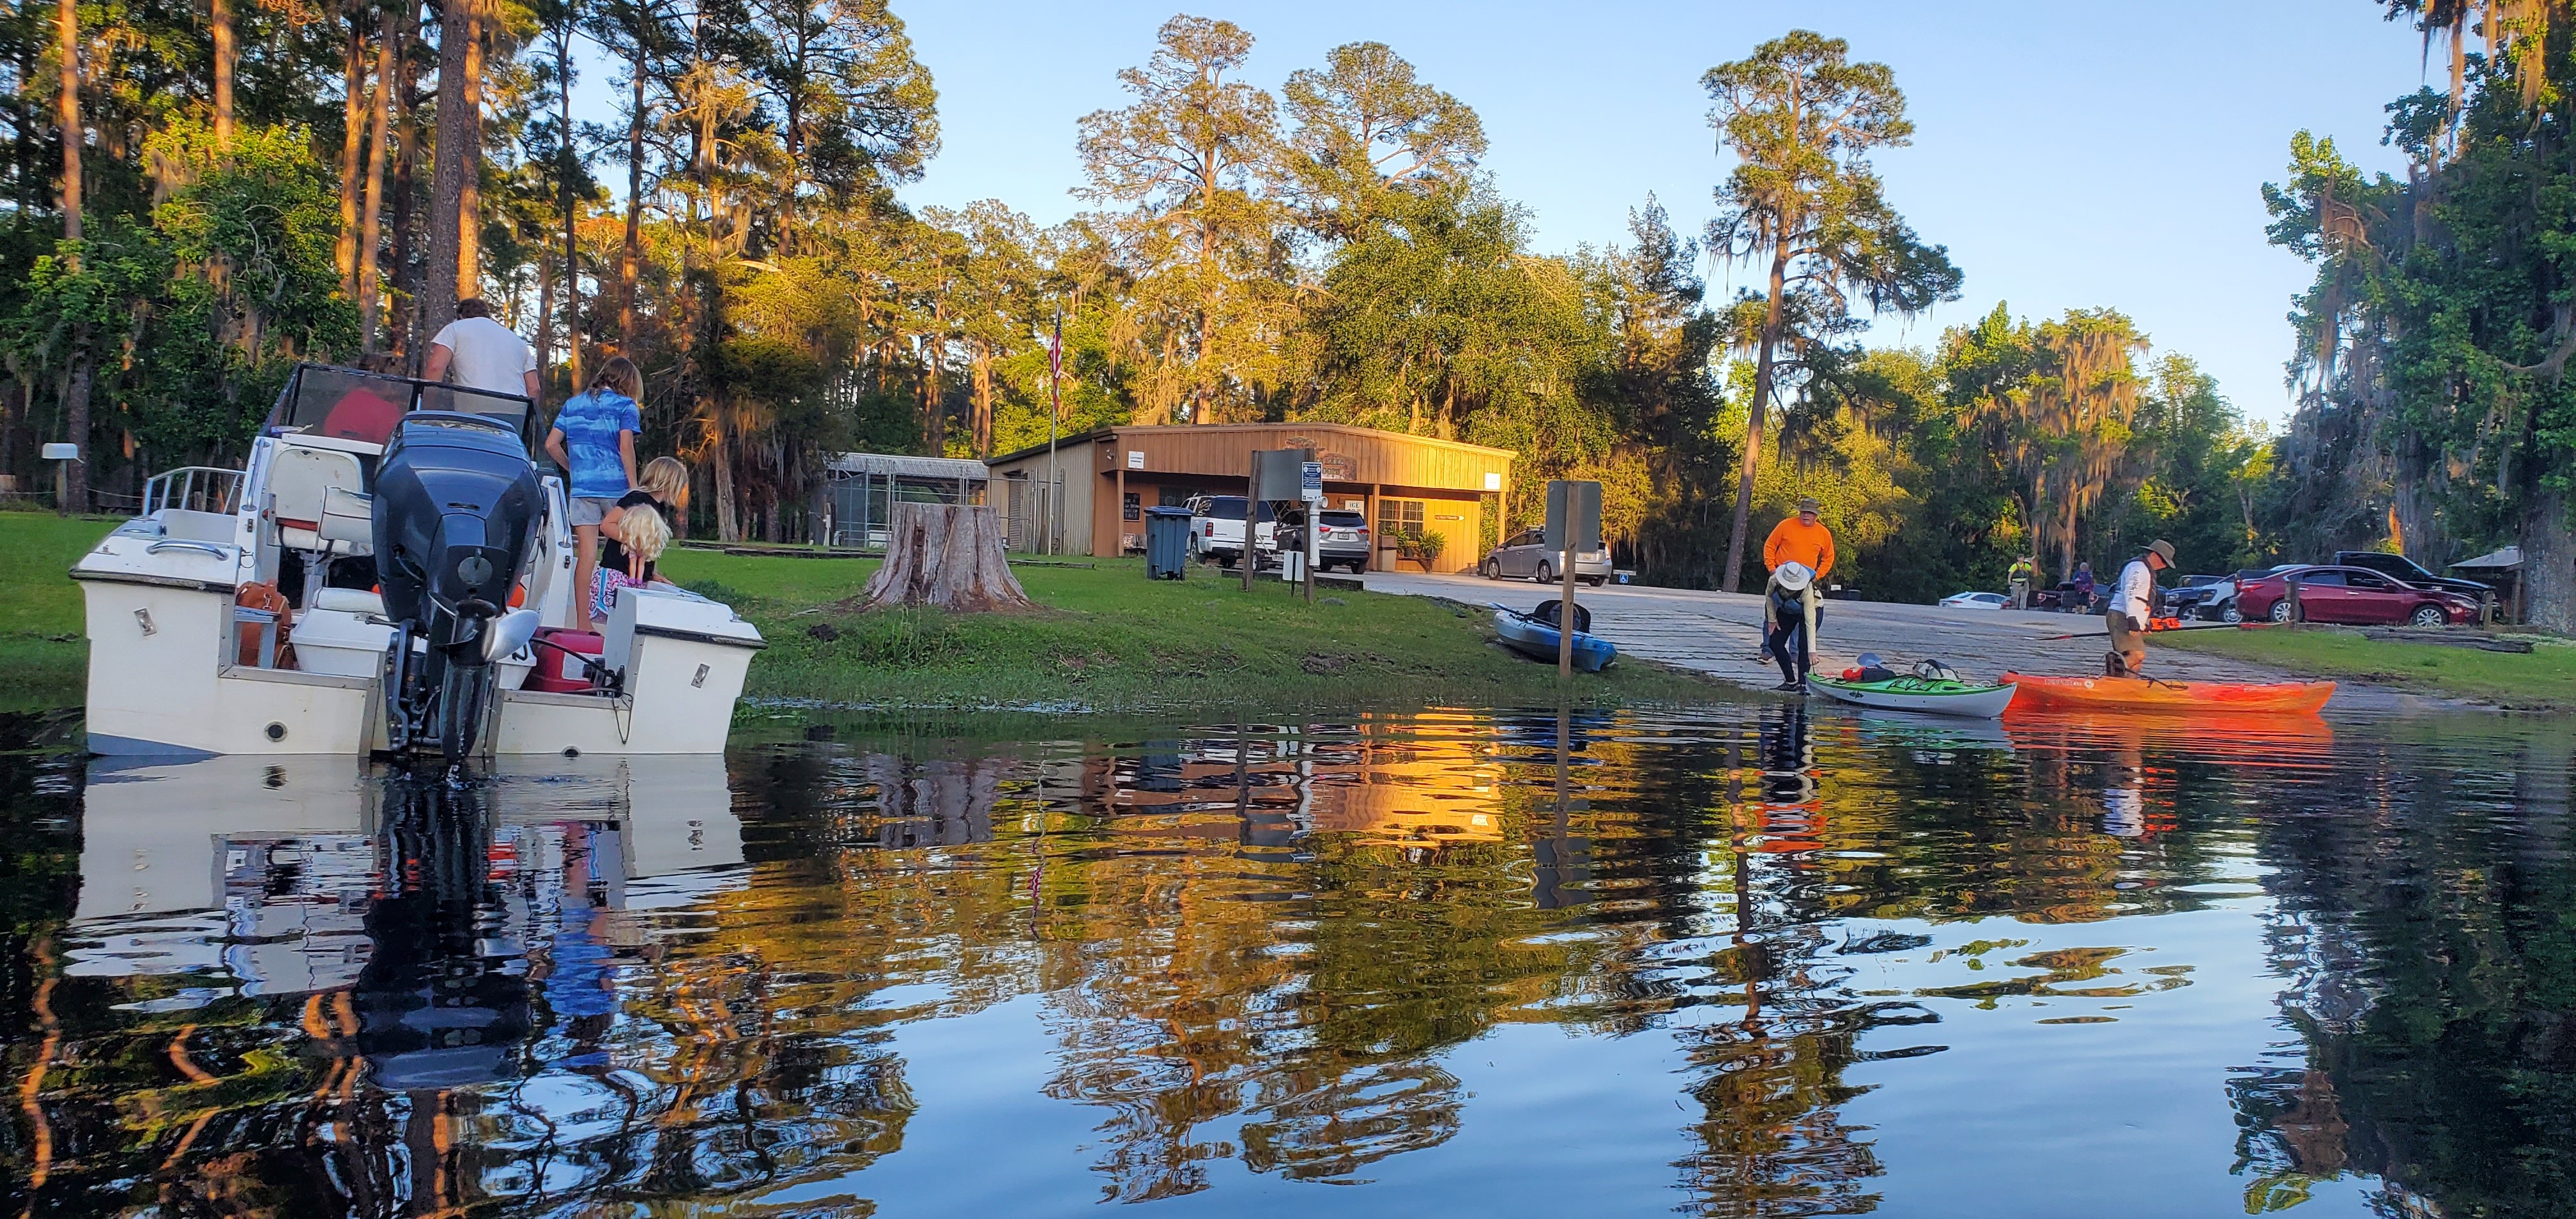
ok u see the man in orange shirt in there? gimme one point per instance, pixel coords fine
(1804, 540)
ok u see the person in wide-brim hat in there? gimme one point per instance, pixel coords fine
(1803, 544)
(2133, 603)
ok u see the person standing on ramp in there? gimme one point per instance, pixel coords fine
(1802, 540)
(2133, 606)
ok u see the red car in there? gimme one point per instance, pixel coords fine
(2353, 596)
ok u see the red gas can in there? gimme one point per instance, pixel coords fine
(557, 673)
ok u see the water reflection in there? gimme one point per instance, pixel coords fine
(1801, 963)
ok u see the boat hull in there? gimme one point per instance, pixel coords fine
(1539, 641)
(167, 677)
(2138, 696)
(1977, 702)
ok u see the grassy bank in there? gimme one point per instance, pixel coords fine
(43, 661)
(2544, 680)
(1107, 639)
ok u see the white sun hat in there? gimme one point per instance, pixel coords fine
(1794, 576)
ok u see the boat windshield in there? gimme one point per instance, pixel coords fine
(508, 409)
(350, 404)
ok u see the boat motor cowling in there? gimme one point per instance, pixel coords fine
(456, 510)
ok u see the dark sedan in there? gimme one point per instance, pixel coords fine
(2353, 596)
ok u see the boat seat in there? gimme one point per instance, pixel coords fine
(300, 483)
(349, 519)
(349, 600)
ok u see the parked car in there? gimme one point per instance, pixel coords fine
(2408, 570)
(1341, 540)
(2203, 597)
(1525, 555)
(1992, 601)
(1216, 530)
(2355, 596)
(2067, 599)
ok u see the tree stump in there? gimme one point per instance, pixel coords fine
(945, 556)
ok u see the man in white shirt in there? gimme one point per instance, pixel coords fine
(2133, 603)
(483, 353)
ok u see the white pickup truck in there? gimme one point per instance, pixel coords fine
(1216, 531)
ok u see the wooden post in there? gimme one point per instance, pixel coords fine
(2298, 612)
(1121, 493)
(1368, 513)
(1251, 512)
(1565, 606)
(1314, 548)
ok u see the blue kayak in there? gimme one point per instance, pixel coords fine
(1537, 640)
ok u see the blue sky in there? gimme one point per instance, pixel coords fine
(2072, 153)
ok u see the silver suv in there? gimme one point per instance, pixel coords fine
(1525, 555)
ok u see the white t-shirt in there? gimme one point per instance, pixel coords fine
(487, 355)
(2137, 591)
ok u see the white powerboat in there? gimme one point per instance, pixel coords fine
(416, 617)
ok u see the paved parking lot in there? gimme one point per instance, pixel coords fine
(1720, 634)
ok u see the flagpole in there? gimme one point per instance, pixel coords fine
(1055, 408)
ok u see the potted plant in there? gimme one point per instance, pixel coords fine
(1422, 546)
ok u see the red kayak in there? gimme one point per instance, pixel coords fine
(2138, 695)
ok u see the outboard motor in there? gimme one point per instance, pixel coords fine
(456, 511)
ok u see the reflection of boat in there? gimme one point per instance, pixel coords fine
(2136, 695)
(1908, 731)
(2272, 740)
(285, 873)
(1927, 695)
(190, 654)
(1539, 640)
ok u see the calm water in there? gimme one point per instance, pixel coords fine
(1761, 962)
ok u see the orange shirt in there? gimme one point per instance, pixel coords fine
(1795, 541)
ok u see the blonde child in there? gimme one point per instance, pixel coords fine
(634, 531)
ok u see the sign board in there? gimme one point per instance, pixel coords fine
(1493, 481)
(1310, 482)
(1135, 459)
(62, 452)
(1574, 505)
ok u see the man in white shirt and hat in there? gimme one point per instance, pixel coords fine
(484, 354)
(2133, 606)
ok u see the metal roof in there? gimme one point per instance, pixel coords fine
(2494, 560)
(944, 469)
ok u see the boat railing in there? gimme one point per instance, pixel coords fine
(198, 488)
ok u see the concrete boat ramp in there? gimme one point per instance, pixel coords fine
(1720, 634)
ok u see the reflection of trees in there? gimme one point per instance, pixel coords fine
(39, 882)
(1229, 1001)
(2423, 928)
(1260, 944)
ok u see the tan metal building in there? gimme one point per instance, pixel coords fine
(1110, 476)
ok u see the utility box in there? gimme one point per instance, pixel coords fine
(1167, 543)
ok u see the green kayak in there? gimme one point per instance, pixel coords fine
(1933, 695)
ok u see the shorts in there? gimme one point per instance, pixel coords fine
(2130, 647)
(603, 592)
(590, 510)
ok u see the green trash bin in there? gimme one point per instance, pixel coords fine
(1167, 543)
